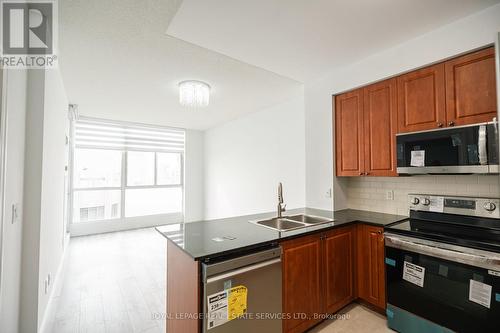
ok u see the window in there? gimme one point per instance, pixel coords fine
(126, 170)
(114, 210)
(92, 213)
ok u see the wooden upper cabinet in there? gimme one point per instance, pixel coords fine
(471, 88)
(338, 266)
(371, 266)
(460, 91)
(349, 133)
(302, 285)
(380, 126)
(421, 99)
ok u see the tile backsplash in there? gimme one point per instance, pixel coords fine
(371, 193)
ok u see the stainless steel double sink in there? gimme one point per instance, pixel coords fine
(293, 222)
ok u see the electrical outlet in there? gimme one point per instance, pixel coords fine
(389, 195)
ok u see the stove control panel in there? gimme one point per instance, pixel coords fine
(483, 207)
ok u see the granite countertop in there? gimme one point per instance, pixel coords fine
(238, 234)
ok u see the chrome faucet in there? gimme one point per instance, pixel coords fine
(281, 206)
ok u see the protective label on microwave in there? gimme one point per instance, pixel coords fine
(492, 272)
(217, 309)
(417, 158)
(480, 293)
(237, 302)
(413, 273)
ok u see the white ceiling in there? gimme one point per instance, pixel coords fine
(302, 39)
(118, 63)
(123, 59)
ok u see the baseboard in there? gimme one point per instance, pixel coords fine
(55, 290)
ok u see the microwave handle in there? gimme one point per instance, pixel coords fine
(481, 144)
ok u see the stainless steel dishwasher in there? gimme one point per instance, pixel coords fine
(243, 294)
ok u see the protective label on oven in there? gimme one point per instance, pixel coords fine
(413, 273)
(436, 204)
(217, 309)
(495, 273)
(237, 302)
(417, 158)
(480, 293)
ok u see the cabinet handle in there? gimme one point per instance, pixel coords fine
(367, 173)
(440, 124)
(451, 123)
(361, 174)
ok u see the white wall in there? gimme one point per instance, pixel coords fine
(463, 35)
(194, 203)
(15, 106)
(32, 201)
(43, 229)
(52, 223)
(246, 158)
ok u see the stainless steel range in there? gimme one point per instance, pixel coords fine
(443, 266)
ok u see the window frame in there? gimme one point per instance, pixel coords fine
(123, 179)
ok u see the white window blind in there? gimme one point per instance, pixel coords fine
(96, 133)
(129, 169)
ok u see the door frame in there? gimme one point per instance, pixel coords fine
(3, 146)
(497, 63)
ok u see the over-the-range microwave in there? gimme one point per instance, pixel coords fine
(469, 149)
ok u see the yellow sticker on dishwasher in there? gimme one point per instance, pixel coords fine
(237, 302)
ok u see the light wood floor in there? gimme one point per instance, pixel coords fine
(116, 283)
(113, 283)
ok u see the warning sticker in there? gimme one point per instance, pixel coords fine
(237, 302)
(480, 293)
(217, 309)
(436, 204)
(414, 273)
(226, 305)
(417, 158)
(495, 273)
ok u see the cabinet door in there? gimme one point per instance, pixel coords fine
(301, 282)
(338, 269)
(349, 133)
(421, 99)
(471, 95)
(380, 121)
(371, 267)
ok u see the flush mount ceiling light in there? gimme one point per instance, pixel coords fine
(194, 93)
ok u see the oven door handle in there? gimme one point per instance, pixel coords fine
(464, 255)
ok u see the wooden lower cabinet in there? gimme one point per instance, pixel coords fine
(338, 266)
(326, 271)
(302, 285)
(370, 265)
(318, 277)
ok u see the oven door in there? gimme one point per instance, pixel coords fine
(465, 149)
(454, 287)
